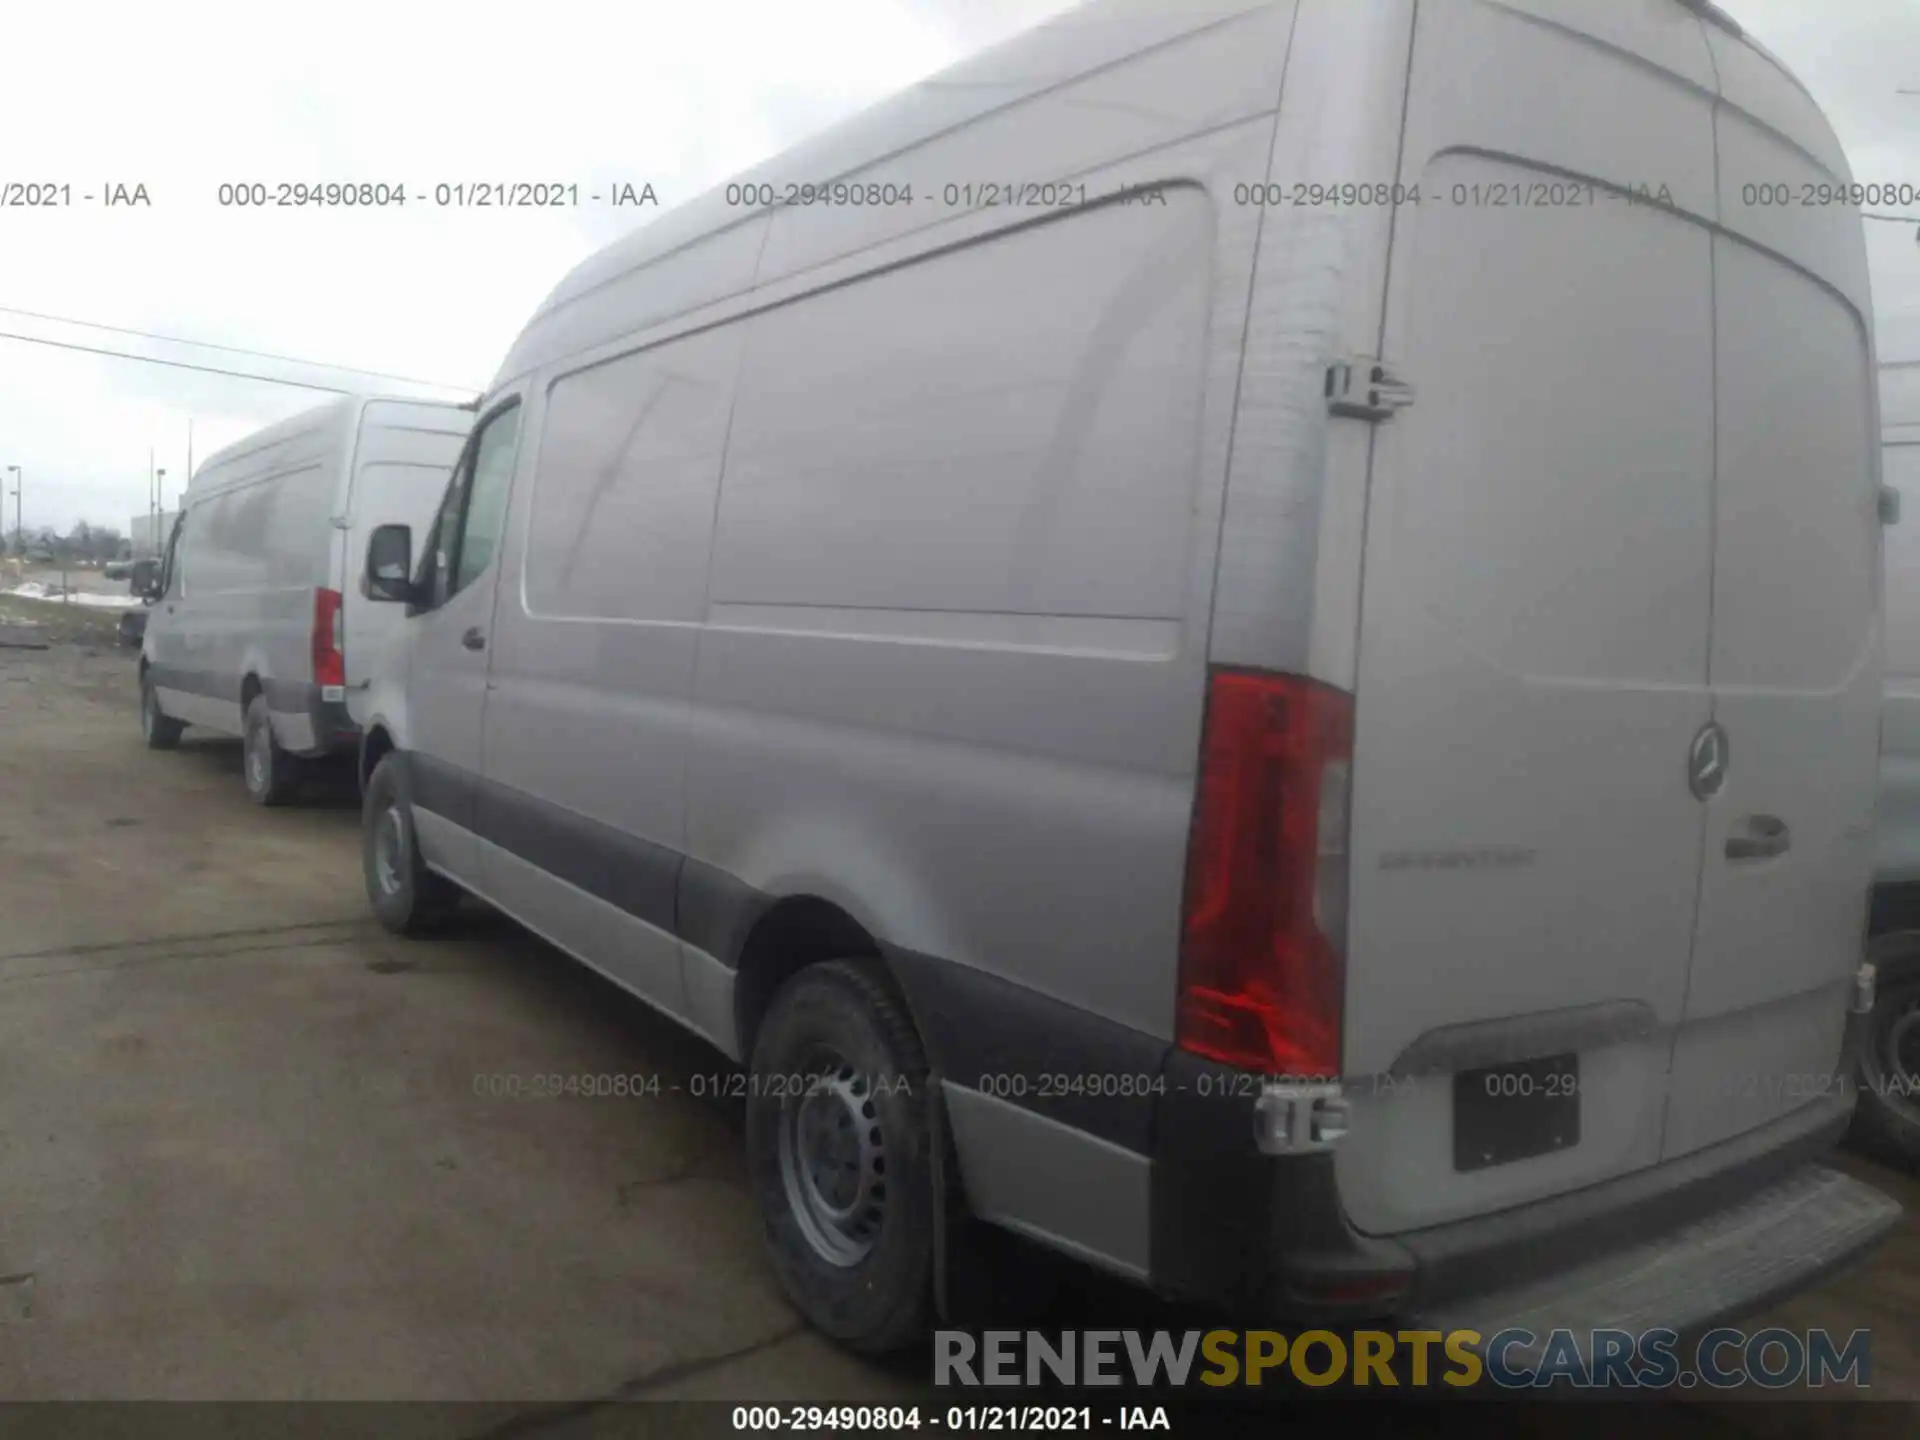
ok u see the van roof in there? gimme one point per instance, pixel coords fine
(580, 314)
(1058, 50)
(340, 414)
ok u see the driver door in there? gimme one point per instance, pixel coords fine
(447, 676)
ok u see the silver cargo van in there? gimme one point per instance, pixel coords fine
(1242, 637)
(257, 627)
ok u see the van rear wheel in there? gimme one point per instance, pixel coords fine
(272, 775)
(1886, 1118)
(839, 1155)
(407, 897)
(160, 730)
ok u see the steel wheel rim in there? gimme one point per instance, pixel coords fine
(1893, 1057)
(257, 759)
(389, 850)
(833, 1161)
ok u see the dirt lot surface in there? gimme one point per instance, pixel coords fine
(242, 1149)
(246, 1149)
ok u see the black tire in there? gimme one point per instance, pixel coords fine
(842, 1025)
(161, 730)
(271, 774)
(407, 897)
(1886, 1120)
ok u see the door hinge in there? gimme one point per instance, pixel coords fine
(1362, 388)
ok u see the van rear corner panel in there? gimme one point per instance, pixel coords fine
(1286, 597)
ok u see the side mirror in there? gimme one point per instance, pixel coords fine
(389, 570)
(144, 579)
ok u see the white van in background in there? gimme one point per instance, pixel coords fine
(1279, 614)
(258, 627)
(1887, 1118)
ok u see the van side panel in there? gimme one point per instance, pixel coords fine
(582, 810)
(953, 667)
(989, 764)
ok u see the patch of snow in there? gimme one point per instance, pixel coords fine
(35, 590)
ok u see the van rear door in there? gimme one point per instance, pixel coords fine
(1897, 825)
(1795, 665)
(1537, 611)
(402, 462)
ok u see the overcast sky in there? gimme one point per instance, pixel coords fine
(676, 93)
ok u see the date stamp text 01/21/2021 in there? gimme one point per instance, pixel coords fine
(1015, 1085)
(971, 194)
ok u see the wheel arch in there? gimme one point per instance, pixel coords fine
(376, 743)
(1895, 906)
(790, 934)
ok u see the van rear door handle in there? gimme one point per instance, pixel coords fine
(474, 639)
(1761, 837)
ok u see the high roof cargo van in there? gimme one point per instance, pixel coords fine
(257, 627)
(1240, 637)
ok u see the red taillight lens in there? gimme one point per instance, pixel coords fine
(1261, 960)
(329, 661)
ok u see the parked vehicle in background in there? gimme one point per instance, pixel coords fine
(925, 649)
(142, 576)
(1887, 1120)
(260, 629)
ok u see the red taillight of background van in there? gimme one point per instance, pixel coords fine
(1261, 959)
(329, 660)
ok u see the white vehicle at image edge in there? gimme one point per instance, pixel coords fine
(1887, 1119)
(256, 626)
(921, 641)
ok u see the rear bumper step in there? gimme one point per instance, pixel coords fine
(1777, 1240)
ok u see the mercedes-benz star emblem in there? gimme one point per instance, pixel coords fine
(1707, 761)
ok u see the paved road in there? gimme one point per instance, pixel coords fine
(242, 1154)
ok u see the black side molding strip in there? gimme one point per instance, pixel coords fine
(286, 697)
(981, 1031)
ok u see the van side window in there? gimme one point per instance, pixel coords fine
(466, 528)
(621, 522)
(173, 575)
(436, 557)
(484, 511)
